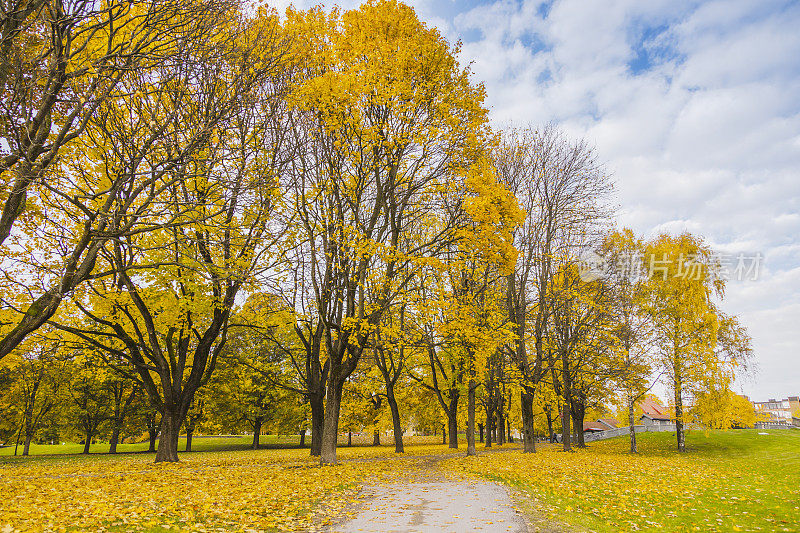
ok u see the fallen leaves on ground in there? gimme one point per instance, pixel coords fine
(263, 490)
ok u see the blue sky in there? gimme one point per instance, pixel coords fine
(693, 106)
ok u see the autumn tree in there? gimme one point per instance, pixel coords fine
(170, 291)
(64, 68)
(698, 346)
(722, 408)
(36, 387)
(630, 327)
(563, 190)
(390, 358)
(390, 125)
(123, 390)
(91, 402)
(576, 336)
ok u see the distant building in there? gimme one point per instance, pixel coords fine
(776, 413)
(609, 423)
(653, 413)
(593, 427)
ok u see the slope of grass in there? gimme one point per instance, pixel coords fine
(727, 481)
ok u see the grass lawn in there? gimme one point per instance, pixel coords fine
(199, 444)
(733, 480)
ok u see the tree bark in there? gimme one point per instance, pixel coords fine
(510, 437)
(302, 437)
(257, 432)
(488, 429)
(528, 438)
(189, 435)
(26, 448)
(112, 443)
(501, 422)
(444, 435)
(396, 428)
(631, 425)
(330, 430)
(376, 438)
(678, 389)
(550, 433)
(452, 421)
(480, 432)
(87, 444)
(679, 429)
(578, 425)
(167, 451)
(471, 419)
(152, 431)
(566, 433)
(152, 435)
(578, 412)
(317, 423)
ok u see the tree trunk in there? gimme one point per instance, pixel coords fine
(566, 433)
(152, 430)
(168, 440)
(26, 448)
(87, 444)
(678, 389)
(396, 428)
(257, 432)
(330, 430)
(349, 438)
(112, 443)
(189, 435)
(376, 438)
(579, 431)
(550, 433)
(501, 423)
(480, 432)
(152, 435)
(302, 437)
(488, 429)
(510, 437)
(317, 402)
(679, 430)
(452, 421)
(526, 406)
(578, 415)
(471, 419)
(631, 425)
(444, 435)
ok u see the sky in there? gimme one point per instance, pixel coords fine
(694, 108)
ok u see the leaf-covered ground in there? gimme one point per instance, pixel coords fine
(728, 481)
(262, 490)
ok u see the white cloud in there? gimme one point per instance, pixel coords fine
(706, 139)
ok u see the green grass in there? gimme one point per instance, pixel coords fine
(727, 481)
(199, 444)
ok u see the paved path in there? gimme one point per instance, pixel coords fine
(446, 506)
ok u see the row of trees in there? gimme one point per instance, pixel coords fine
(197, 197)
